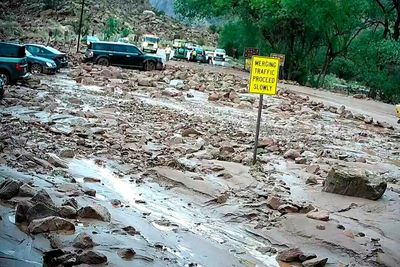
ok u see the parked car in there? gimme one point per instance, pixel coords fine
(121, 54)
(48, 52)
(219, 54)
(40, 64)
(1, 89)
(13, 64)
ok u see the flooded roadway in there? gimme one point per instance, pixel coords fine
(178, 211)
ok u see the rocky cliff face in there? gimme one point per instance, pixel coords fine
(32, 21)
(166, 6)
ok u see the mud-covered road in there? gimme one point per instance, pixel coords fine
(379, 110)
(167, 157)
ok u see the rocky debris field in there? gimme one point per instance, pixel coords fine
(120, 167)
(31, 22)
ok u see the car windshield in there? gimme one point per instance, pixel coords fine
(151, 39)
(52, 50)
(220, 50)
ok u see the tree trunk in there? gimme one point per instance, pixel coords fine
(396, 26)
(324, 67)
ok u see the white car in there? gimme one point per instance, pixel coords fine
(219, 54)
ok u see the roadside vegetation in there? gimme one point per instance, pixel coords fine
(356, 41)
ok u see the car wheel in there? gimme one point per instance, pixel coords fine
(2, 93)
(150, 66)
(103, 61)
(5, 76)
(36, 68)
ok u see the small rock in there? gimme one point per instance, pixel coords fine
(274, 202)
(130, 230)
(314, 169)
(189, 132)
(317, 262)
(300, 160)
(67, 212)
(90, 192)
(176, 83)
(320, 227)
(91, 180)
(349, 234)
(145, 82)
(9, 189)
(291, 154)
(287, 208)
(50, 224)
(83, 241)
(312, 180)
(214, 97)
(56, 161)
(368, 120)
(70, 202)
(322, 215)
(290, 255)
(115, 202)
(95, 212)
(126, 253)
(91, 257)
(67, 153)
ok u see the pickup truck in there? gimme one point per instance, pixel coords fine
(13, 63)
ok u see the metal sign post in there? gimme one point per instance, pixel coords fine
(260, 105)
(263, 81)
(80, 27)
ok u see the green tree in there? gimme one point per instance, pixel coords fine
(353, 39)
(111, 28)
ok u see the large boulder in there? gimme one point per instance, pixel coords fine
(357, 183)
(42, 197)
(39, 211)
(9, 188)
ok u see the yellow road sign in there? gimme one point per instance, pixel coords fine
(264, 75)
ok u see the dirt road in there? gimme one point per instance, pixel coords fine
(378, 110)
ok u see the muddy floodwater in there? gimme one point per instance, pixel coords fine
(169, 163)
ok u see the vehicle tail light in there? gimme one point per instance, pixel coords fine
(89, 53)
(19, 67)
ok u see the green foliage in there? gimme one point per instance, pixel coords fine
(111, 28)
(323, 40)
(125, 32)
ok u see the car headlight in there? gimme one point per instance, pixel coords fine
(48, 64)
(145, 44)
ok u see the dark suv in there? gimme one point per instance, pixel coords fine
(13, 64)
(121, 54)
